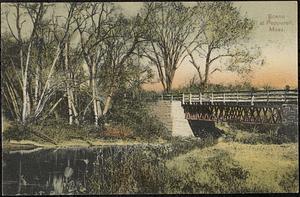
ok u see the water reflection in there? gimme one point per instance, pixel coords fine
(106, 170)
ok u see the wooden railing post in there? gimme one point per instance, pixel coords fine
(171, 97)
(224, 97)
(212, 98)
(285, 95)
(200, 98)
(162, 96)
(237, 97)
(268, 95)
(190, 98)
(182, 98)
(252, 97)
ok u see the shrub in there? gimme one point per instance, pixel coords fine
(267, 134)
(136, 170)
(117, 131)
(290, 181)
(17, 132)
(133, 113)
(58, 131)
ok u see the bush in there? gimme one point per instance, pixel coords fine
(134, 171)
(62, 132)
(260, 134)
(56, 130)
(17, 132)
(254, 128)
(133, 113)
(116, 131)
(137, 169)
(290, 181)
(180, 145)
(289, 133)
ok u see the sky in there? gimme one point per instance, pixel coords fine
(275, 34)
(278, 46)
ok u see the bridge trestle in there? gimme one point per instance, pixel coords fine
(234, 113)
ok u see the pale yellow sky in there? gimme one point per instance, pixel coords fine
(279, 48)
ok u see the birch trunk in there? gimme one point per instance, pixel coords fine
(28, 104)
(107, 103)
(24, 87)
(39, 107)
(12, 97)
(68, 85)
(95, 99)
(36, 88)
(69, 105)
(75, 114)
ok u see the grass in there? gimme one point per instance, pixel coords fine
(252, 135)
(236, 168)
(270, 166)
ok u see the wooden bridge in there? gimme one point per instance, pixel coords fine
(258, 107)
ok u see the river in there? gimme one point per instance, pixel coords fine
(124, 169)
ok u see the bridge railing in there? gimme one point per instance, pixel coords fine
(249, 97)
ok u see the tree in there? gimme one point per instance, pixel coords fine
(37, 43)
(71, 69)
(36, 13)
(225, 34)
(55, 74)
(11, 86)
(94, 22)
(108, 40)
(50, 85)
(170, 33)
(122, 51)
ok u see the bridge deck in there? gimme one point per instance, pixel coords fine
(261, 97)
(259, 107)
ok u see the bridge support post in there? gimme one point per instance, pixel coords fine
(290, 114)
(172, 116)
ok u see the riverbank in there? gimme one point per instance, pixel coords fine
(59, 134)
(175, 166)
(29, 144)
(17, 138)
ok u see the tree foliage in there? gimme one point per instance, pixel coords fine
(73, 65)
(170, 31)
(224, 37)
